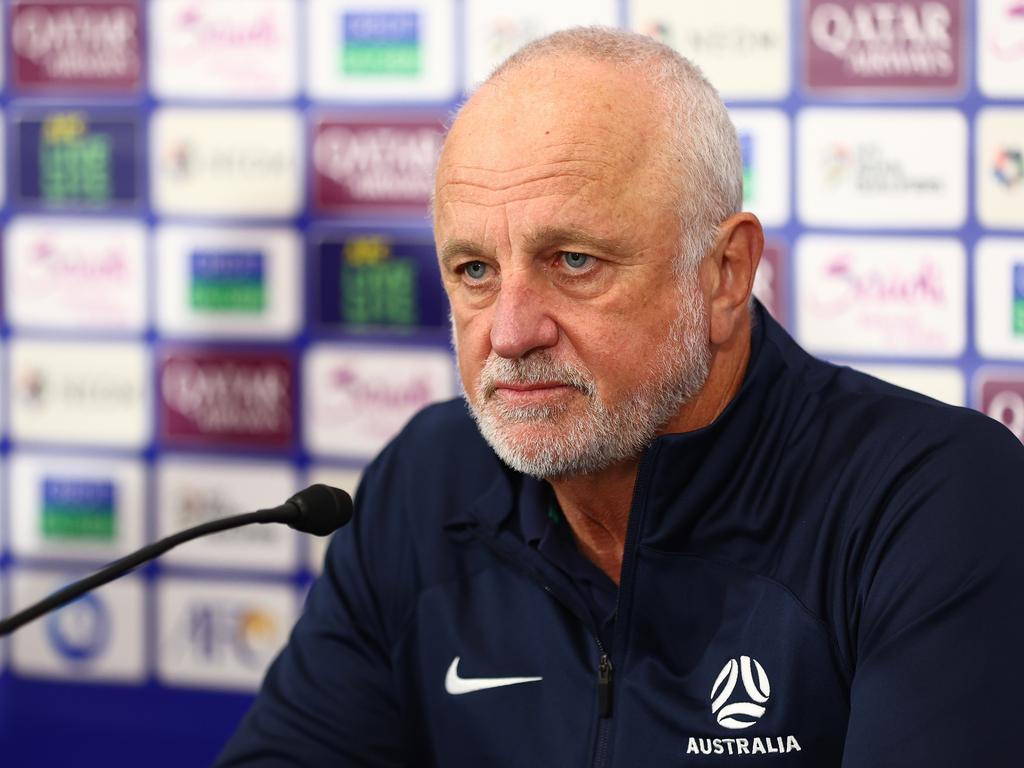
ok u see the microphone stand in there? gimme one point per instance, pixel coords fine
(319, 510)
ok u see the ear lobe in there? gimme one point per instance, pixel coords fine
(740, 242)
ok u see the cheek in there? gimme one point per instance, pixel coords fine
(473, 343)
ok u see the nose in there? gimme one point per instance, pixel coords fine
(521, 321)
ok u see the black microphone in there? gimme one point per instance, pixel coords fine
(319, 509)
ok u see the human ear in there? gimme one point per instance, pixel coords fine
(732, 264)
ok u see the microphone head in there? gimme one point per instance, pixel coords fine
(322, 509)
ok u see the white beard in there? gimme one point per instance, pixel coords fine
(608, 432)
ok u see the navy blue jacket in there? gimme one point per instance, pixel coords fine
(829, 574)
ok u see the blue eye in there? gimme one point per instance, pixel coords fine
(575, 260)
(476, 270)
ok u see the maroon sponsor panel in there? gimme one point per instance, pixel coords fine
(74, 45)
(772, 279)
(878, 45)
(235, 399)
(1001, 396)
(363, 166)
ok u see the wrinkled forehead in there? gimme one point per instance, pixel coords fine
(591, 116)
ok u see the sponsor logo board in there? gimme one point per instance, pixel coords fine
(76, 507)
(92, 393)
(220, 634)
(377, 281)
(339, 477)
(240, 282)
(771, 282)
(1000, 48)
(999, 393)
(881, 296)
(764, 145)
(384, 166)
(742, 46)
(212, 397)
(385, 51)
(75, 274)
(940, 382)
(224, 49)
(909, 48)
(70, 158)
(494, 31)
(999, 167)
(68, 45)
(870, 168)
(358, 398)
(98, 637)
(999, 297)
(194, 491)
(221, 162)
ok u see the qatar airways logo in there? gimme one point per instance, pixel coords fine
(375, 165)
(884, 44)
(229, 399)
(85, 44)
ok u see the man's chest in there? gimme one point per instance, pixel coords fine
(711, 665)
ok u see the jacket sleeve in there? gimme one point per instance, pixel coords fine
(938, 617)
(330, 699)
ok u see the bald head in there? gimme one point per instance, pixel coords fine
(651, 106)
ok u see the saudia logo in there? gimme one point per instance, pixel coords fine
(736, 710)
(202, 32)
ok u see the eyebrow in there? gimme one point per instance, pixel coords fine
(536, 240)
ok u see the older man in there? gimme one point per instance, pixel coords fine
(667, 536)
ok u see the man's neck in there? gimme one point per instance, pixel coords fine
(597, 506)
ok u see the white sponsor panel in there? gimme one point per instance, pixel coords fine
(222, 162)
(98, 638)
(764, 144)
(494, 31)
(339, 477)
(1000, 47)
(76, 507)
(387, 50)
(224, 49)
(941, 382)
(238, 282)
(742, 46)
(95, 393)
(220, 634)
(900, 297)
(886, 168)
(3, 124)
(192, 491)
(999, 166)
(75, 274)
(357, 398)
(999, 297)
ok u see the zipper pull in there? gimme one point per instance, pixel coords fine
(604, 686)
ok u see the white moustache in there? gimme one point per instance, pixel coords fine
(538, 367)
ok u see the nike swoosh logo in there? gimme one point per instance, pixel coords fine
(457, 686)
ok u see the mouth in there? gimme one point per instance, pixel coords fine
(533, 393)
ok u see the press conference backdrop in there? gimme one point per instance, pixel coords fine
(219, 285)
